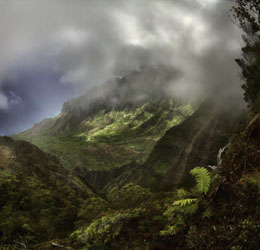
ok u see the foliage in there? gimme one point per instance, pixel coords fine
(101, 232)
(234, 223)
(184, 202)
(30, 211)
(202, 178)
(120, 136)
(246, 14)
(129, 196)
(188, 204)
(90, 209)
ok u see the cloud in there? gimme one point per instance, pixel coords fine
(3, 102)
(81, 44)
(14, 100)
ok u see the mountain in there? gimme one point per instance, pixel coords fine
(131, 130)
(139, 173)
(132, 216)
(194, 142)
(114, 124)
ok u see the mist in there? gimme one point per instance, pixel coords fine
(54, 50)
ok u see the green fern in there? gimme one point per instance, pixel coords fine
(183, 194)
(184, 202)
(189, 202)
(202, 178)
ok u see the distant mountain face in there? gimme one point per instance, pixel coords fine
(128, 92)
(114, 124)
(194, 142)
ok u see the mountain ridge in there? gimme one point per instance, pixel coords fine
(121, 121)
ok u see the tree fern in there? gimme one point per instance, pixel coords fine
(202, 178)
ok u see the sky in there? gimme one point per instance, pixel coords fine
(52, 50)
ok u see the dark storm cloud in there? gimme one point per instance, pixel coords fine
(33, 93)
(84, 43)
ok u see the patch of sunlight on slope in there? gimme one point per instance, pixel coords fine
(128, 122)
(108, 140)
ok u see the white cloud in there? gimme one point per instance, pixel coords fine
(91, 41)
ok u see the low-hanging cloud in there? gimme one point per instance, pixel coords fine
(85, 43)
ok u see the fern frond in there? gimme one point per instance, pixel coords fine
(202, 178)
(170, 230)
(189, 209)
(183, 194)
(207, 213)
(184, 202)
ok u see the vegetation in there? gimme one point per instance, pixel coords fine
(120, 136)
(220, 211)
(246, 14)
(31, 211)
(188, 202)
(39, 199)
(42, 203)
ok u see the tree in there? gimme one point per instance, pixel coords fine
(246, 14)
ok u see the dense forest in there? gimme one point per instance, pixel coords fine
(126, 167)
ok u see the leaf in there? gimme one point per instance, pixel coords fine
(182, 193)
(202, 178)
(207, 213)
(184, 202)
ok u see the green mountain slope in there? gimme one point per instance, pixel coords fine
(112, 125)
(194, 142)
(225, 216)
(109, 140)
(39, 198)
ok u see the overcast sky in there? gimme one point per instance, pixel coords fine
(53, 50)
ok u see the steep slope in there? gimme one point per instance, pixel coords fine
(39, 198)
(20, 157)
(114, 124)
(128, 92)
(225, 217)
(233, 203)
(194, 142)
